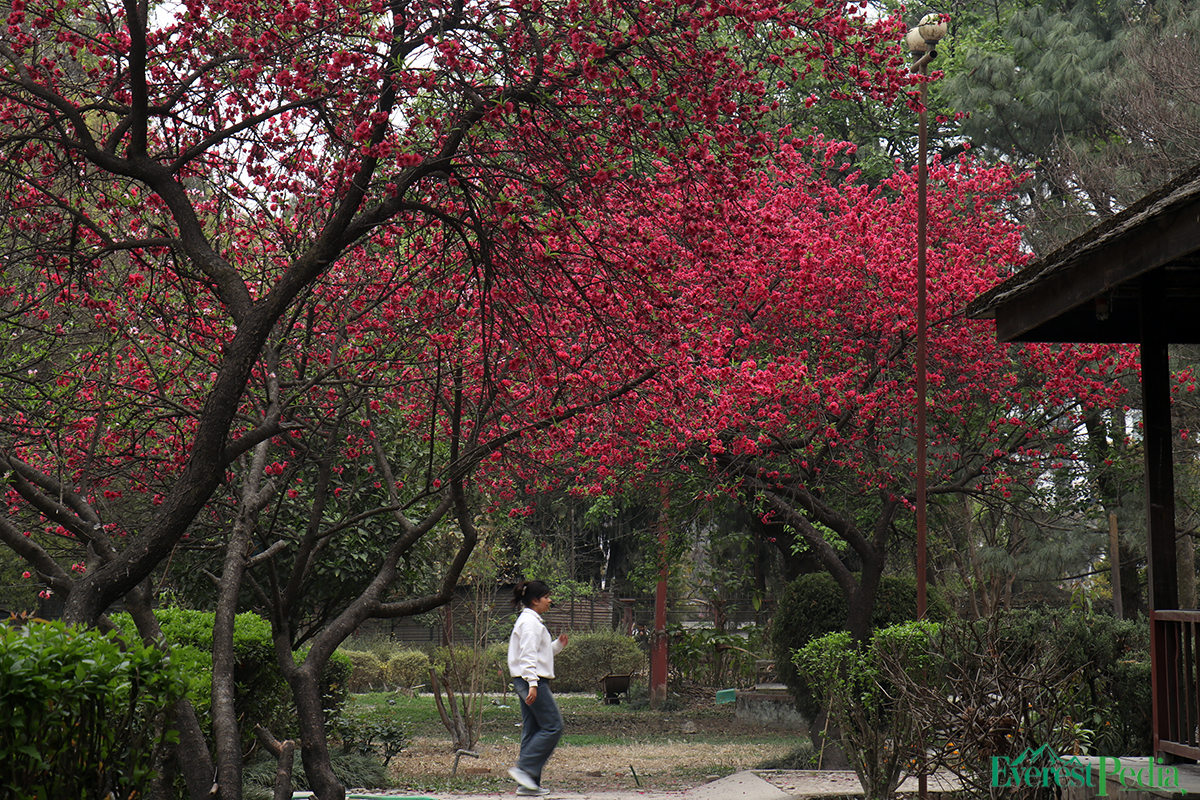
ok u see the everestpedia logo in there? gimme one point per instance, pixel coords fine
(1043, 767)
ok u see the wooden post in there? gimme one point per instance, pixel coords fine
(1160, 495)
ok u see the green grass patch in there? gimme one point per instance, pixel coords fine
(611, 739)
(421, 713)
(802, 756)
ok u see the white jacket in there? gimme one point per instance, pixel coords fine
(531, 648)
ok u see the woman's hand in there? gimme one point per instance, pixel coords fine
(563, 640)
(529, 698)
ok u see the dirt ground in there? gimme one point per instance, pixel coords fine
(660, 751)
(672, 764)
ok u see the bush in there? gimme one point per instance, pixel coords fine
(85, 715)
(382, 647)
(261, 694)
(709, 657)
(373, 732)
(813, 605)
(497, 661)
(407, 669)
(366, 671)
(383, 666)
(335, 683)
(464, 668)
(874, 725)
(1112, 658)
(590, 656)
(1002, 686)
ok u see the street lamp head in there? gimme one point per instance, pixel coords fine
(930, 31)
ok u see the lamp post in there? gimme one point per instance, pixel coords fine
(922, 41)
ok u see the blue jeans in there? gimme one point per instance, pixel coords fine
(541, 727)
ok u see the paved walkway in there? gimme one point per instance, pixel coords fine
(739, 786)
(757, 785)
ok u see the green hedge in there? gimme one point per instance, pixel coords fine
(261, 694)
(385, 669)
(366, 671)
(85, 716)
(465, 665)
(407, 669)
(813, 605)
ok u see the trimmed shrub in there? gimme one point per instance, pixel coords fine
(407, 669)
(383, 647)
(496, 658)
(366, 671)
(85, 715)
(813, 605)
(462, 667)
(380, 664)
(588, 657)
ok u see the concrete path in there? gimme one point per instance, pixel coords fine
(739, 786)
(757, 785)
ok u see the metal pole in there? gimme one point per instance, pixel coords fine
(922, 235)
(922, 226)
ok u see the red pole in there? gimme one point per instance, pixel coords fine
(658, 642)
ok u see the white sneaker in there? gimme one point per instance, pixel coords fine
(524, 778)
(541, 791)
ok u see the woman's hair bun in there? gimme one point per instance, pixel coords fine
(526, 592)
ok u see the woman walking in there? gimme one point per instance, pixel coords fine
(531, 652)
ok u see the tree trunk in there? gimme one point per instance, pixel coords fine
(192, 757)
(861, 601)
(456, 725)
(314, 746)
(1132, 600)
(226, 731)
(283, 752)
(1185, 565)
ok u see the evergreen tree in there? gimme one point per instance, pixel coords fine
(1031, 79)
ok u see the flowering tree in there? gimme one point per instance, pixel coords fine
(238, 233)
(791, 386)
